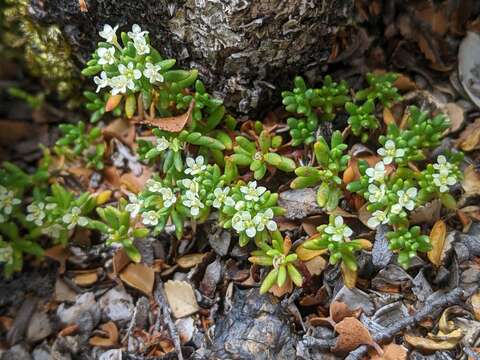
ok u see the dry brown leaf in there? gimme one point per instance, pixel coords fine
(139, 276)
(190, 260)
(120, 129)
(135, 183)
(171, 124)
(465, 220)
(456, 114)
(351, 334)
(426, 214)
(181, 298)
(428, 344)
(469, 139)
(475, 301)
(6, 323)
(287, 288)
(340, 310)
(120, 261)
(437, 238)
(390, 352)
(112, 176)
(404, 83)
(108, 338)
(349, 276)
(316, 265)
(59, 254)
(388, 116)
(471, 181)
(306, 254)
(86, 278)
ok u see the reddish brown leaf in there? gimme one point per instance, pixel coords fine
(171, 124)
(352, 333)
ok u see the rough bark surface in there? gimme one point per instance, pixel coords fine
(246, 50)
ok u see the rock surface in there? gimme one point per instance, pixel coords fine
(247, 50)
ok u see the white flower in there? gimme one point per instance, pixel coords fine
(152, 73)
(338, 230)
(6, 252)
(262, 220)
(378, 217)
(442, 165)
(443, 181)
(191, 185)
(195, 167)
(107, 55)
(36, 213)
(221, 198)
(406, 199)
(239, 205)
(252, 192)
(154, 186)
(242, 222)
(390, 152)
(150, 218)
(168, 197)
(53, 231)
(7, 200)
(193, 202)
(109, 33)
(162, 144)
(141, 46)
(101, 81)
(74, 218)
(134, 206)
(130, 73)
(376, 193)
(136, 32)
(119, 84)
(376, 173)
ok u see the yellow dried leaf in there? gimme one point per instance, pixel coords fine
(429, 344)
(103, 197)
(437, 238)
(109, 336)
(349, 276)
(86, 279)
(306, 254)
(388, 116)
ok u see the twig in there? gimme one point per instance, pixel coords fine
(442, 302)
(161, 299)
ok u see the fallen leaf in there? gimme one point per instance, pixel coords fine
(391, 352)
(108, 338)
(465, 220)
(388, 116)
(6, 322)
(471, 181)
(190, 260)
(59, 254)
(351, 334)
(170, 124)
(426, 214)
(349, 276)
(120, 129)
(456, 114)
(63, 292)
(120, 261)
(306, 254)
(339, 311)
(277, 291)
(83, 5)
(135, 183)
(404, 83)
(139, 276)
(428, 344)
(181, 298)
(316, 265)
(475, 301)
(69, 330)
(112, 176)
(437, 239)
(86, 279)
(469, 139)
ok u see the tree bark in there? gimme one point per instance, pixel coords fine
(247, 51)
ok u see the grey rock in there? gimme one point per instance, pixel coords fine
(85, 313)
(117, 304)
(254, 328)
(299, 204)
(17, 352)
(39, 327)
(41, 352)
(113, 354)
(219, 240)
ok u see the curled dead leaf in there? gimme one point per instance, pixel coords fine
(108, 336)
(429, 344)
(437, 239)
(351, 334)
(86, 278)
(469, 139)
(139, 276)
(59, 254)
(170, 124)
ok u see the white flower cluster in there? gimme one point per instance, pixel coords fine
(390, 153)
(6, 252)
(377, 193)
(444, 177)
(7, 202)
(338, 231)
(129, 73)
(243, 221)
